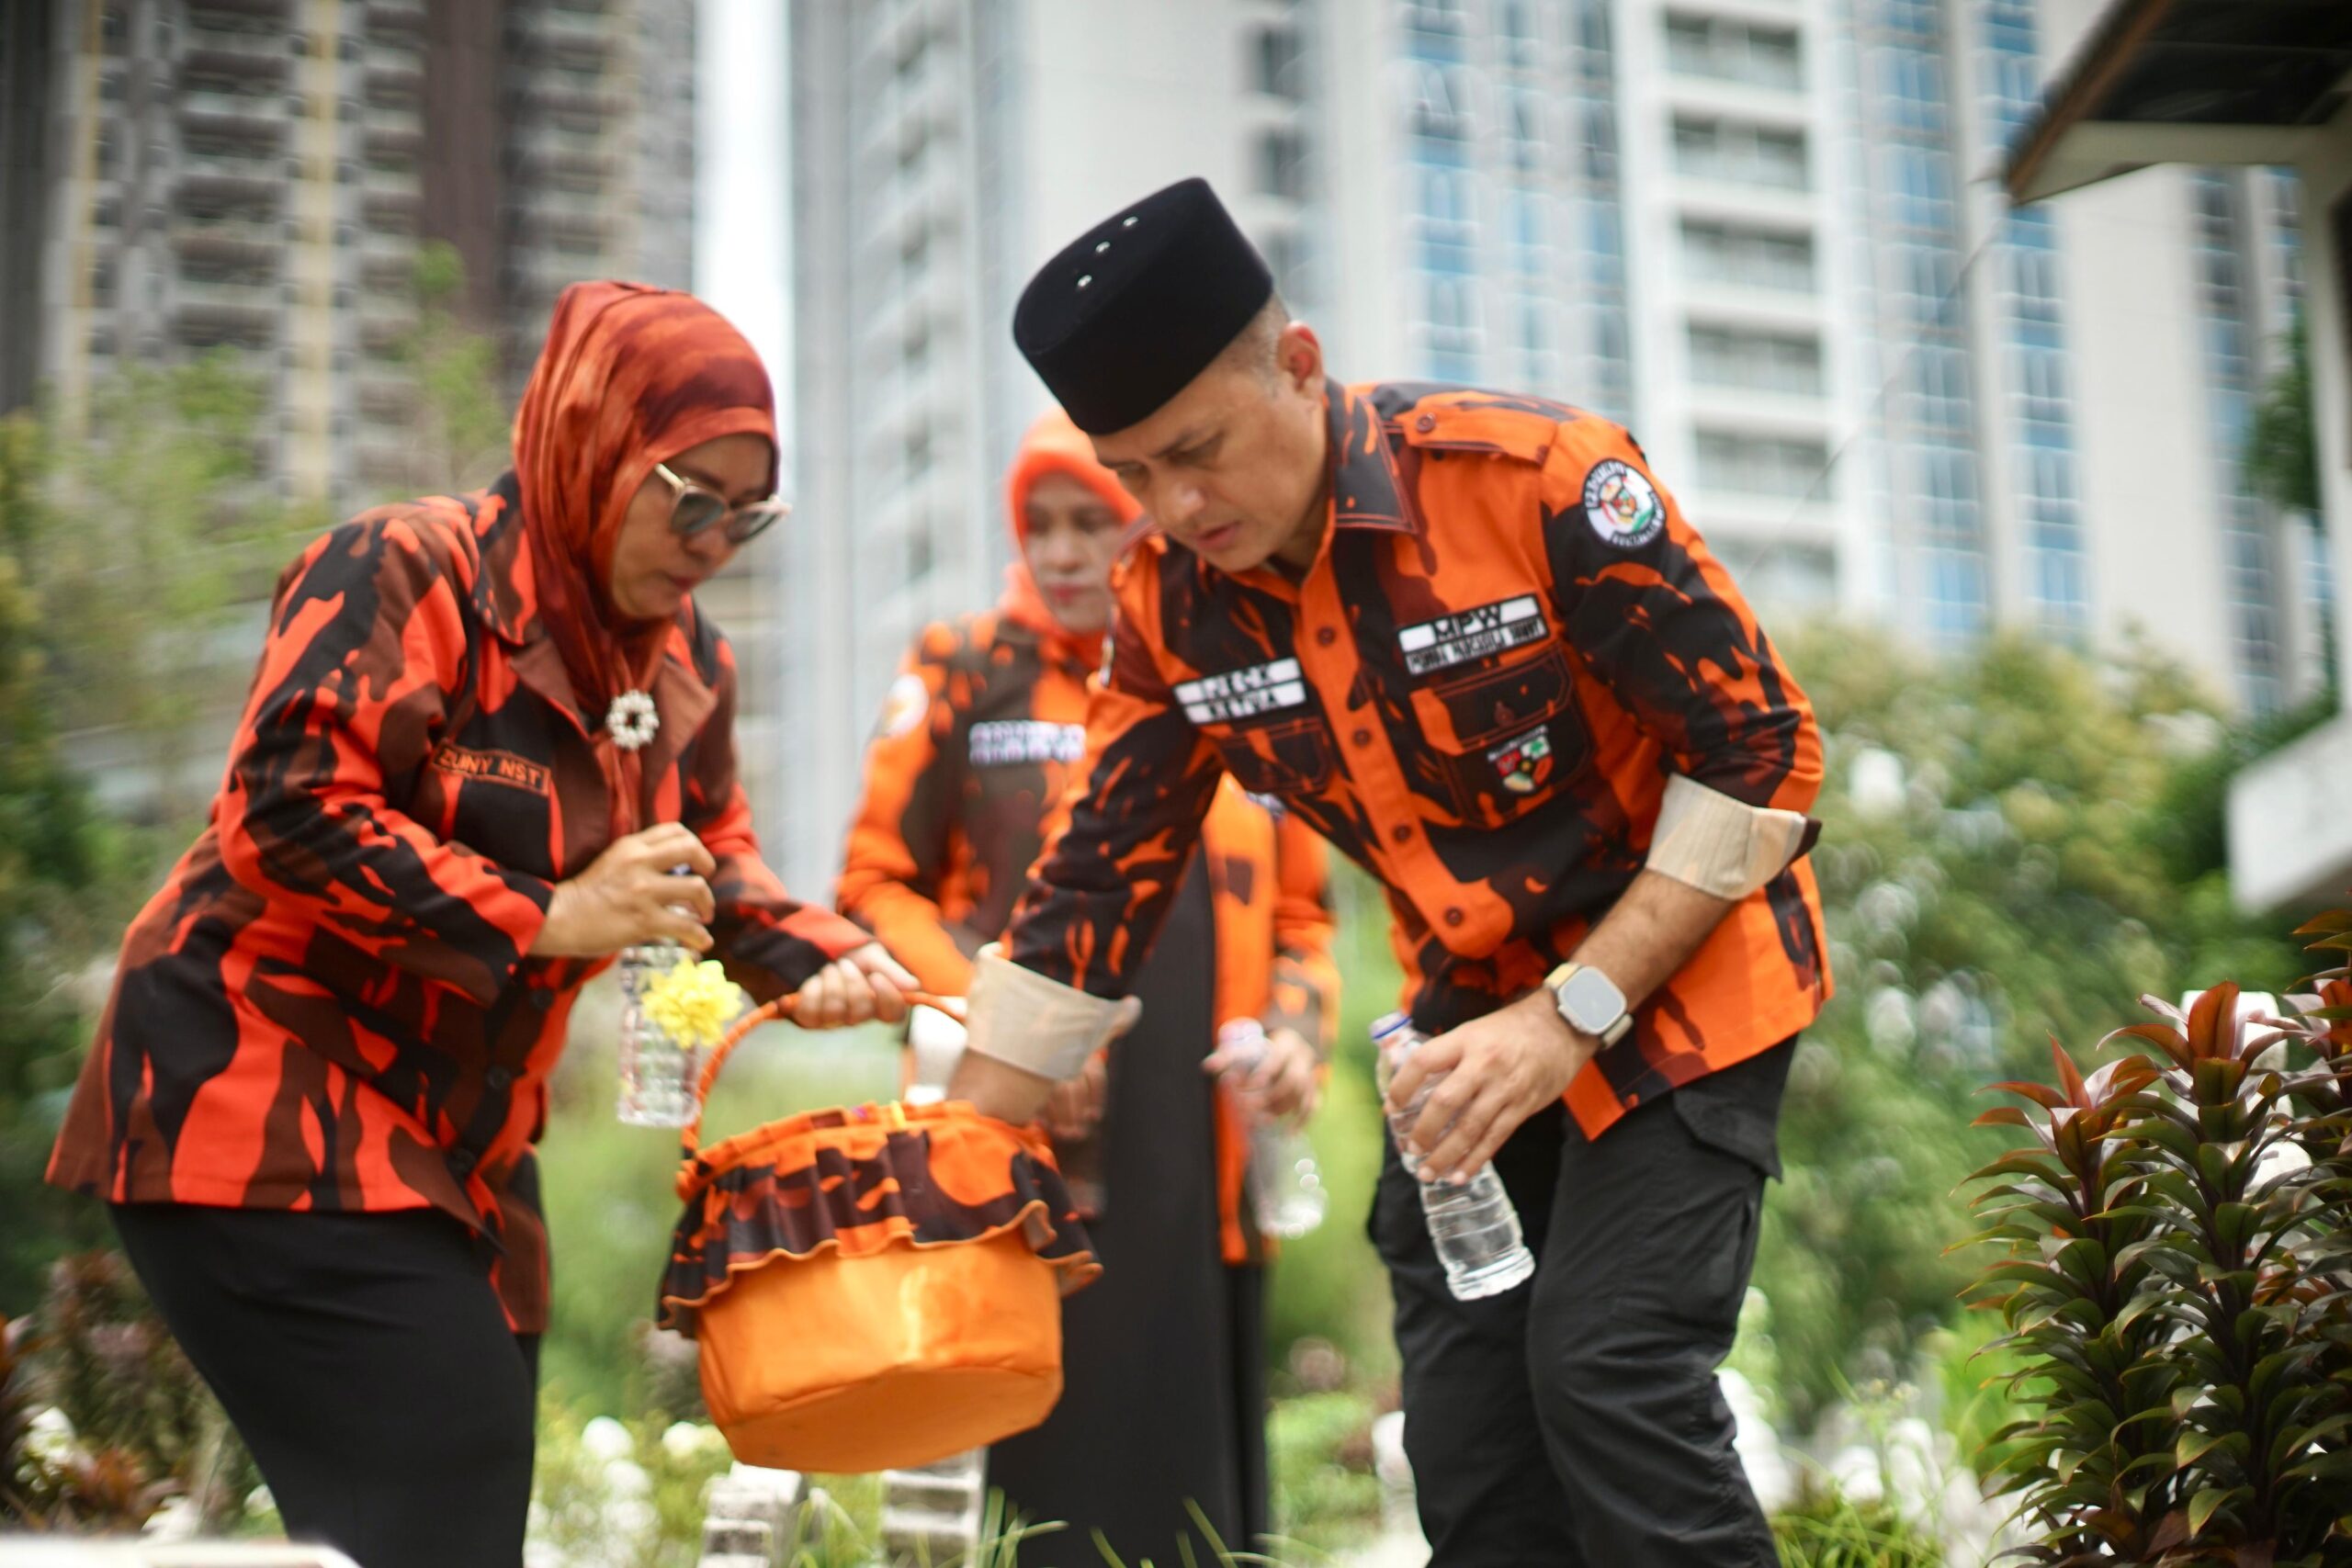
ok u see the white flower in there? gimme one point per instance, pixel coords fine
(632, 720)
(606, 1440)
(50, 1437)
(685, 1439)
(178, 1519)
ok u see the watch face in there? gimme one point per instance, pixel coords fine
(1591, 1000)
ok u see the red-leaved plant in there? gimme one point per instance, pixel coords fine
(2178, 1286)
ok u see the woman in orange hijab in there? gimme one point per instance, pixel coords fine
(486, 734)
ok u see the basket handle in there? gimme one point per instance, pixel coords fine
(690, 1137)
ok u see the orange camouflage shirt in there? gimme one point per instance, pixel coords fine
(979, 736)
(329, 1005)
(1508, 641)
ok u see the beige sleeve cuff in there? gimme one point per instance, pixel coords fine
(1706, 839)
(1043, 1027)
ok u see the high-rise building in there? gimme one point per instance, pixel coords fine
(1764, 234)
(188, 174)
(184, 176)
(941, 150)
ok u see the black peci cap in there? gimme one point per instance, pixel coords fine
(1128, 314)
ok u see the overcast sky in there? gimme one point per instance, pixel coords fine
(743, 182)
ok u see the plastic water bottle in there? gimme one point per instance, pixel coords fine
(932, 1514)
(1473, 1224)
(657, 1072)
(935, 1040)
(1285, 1183)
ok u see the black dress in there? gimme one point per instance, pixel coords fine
(1163, 1399)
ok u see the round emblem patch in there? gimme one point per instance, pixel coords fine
(904, 708)
(1622, 505)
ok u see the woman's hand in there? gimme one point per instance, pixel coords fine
(1281, 1084)
(628, 896)
(862, 983)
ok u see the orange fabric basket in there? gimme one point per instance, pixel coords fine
(872, 1288)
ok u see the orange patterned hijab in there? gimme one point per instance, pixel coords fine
(631, 376)
(1052, 446)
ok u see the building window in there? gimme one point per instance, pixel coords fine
(1531, 253)
(1526, 135)
(1747, 256)
(1786, 467)
(1600, 143)
(1725, 49)
(1438, 106)
(1280, 66)
(1737, 151)
(1281, 164)
(1914, 90)
(1453, 338)
(1446, 17)
(1516, 21)
(1756, 361)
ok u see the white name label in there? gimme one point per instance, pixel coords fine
(1001, 742)
(1472, 634)
(1241, 693)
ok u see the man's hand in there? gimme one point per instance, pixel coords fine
(864, 983)
(1499, 1070)
(628, 895)
(1282, 1084)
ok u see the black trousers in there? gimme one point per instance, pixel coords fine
(1576, 1421)
(367, 1363)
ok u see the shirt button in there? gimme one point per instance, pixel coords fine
(1361, 737)
(1426, 423)
(1453, 917)
(1326, 636)
(462, 1161)
(498, 1077)
(1400, 832)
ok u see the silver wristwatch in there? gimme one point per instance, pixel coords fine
(1591, 1001)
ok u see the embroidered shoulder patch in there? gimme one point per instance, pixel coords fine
(904, 707)
(1622, 505)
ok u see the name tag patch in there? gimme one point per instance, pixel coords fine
(494, 767)
(1243, 694)
(1472, 634)
(1002, 742)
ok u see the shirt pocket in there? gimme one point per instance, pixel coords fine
(1289, 759)
(1507, 736)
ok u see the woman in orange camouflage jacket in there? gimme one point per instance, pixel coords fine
(485, 731)
(1163, 1395)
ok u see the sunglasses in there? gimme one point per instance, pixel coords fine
(693, 508)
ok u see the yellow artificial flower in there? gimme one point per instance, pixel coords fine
(693, 1003)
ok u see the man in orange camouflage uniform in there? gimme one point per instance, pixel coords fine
(1468, 638)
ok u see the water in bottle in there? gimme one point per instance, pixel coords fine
(1472, 1223)
(1285, 1184)
(657, 1072)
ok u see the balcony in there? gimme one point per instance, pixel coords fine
(227, 62)
(248, 243)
